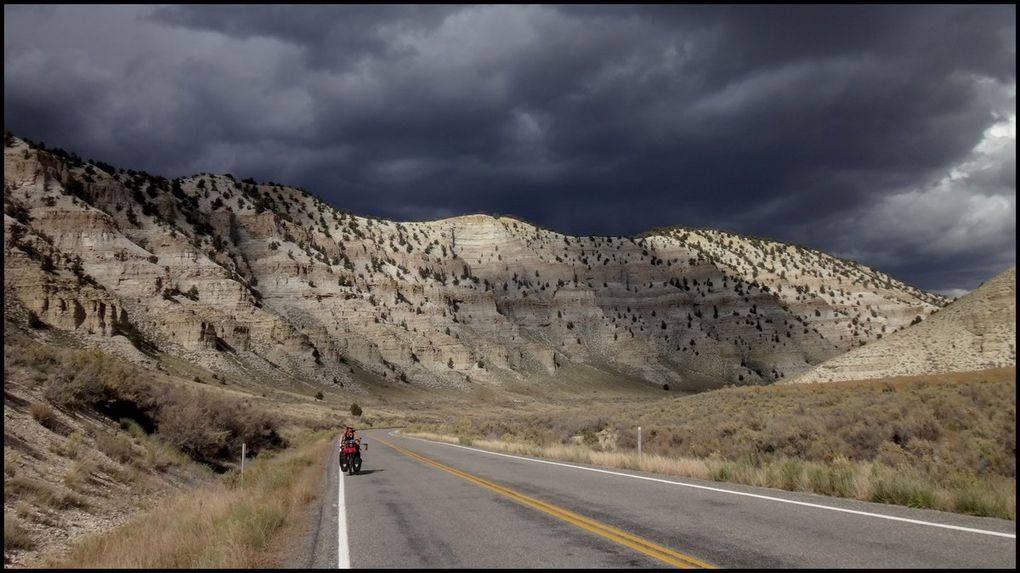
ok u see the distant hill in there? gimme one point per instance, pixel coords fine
(975, 332)
(266, 281)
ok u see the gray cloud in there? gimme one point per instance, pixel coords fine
(825, 126)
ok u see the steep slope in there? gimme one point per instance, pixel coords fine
(268, 280)
(975, 332)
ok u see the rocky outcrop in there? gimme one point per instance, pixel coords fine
(49, 289)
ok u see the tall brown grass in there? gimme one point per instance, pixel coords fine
(227, 525)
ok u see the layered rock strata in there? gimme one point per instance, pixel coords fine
(269, 280)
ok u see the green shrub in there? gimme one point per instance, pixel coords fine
(209, 428)
(212, 428)
(90, 380)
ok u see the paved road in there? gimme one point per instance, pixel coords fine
(423, 504)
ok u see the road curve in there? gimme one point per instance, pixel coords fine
(420, 504)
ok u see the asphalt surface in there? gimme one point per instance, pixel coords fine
(423, 504)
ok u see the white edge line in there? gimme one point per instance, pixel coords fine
(716, 489)
(343, 550)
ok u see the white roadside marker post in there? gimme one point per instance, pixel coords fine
(243, 448)
(639, 444)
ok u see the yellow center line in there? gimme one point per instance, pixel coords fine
(646, 547)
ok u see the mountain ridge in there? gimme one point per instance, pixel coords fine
(267, 278)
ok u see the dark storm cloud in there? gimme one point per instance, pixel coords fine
(884, 134)
(333, 35)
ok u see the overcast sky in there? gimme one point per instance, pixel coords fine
(882, 134)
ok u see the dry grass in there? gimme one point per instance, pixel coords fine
(41, 494)
(437, 437)
(88, 464)
(841, 477)
(159, 454)
(16, 536)
(1004, 374)
(42, 413)
(689, 467)
(946, 443)
(81, 474)
(222, 526)
(116, 446)
(72, 447)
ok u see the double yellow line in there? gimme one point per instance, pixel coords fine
(648, 548)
